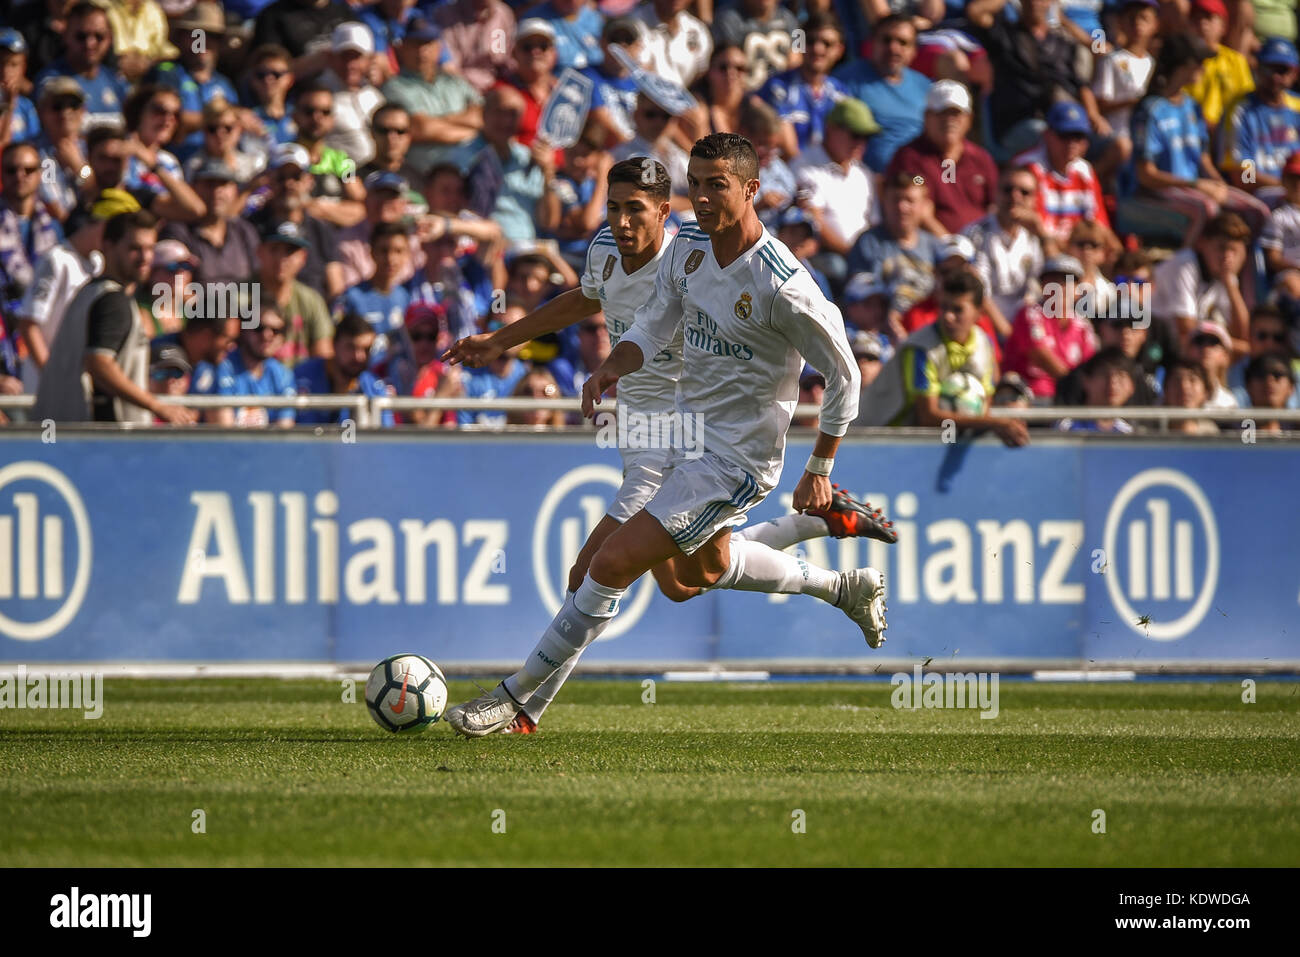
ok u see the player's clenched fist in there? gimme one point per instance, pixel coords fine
(813, 491)
(593, 389)
(474, 351)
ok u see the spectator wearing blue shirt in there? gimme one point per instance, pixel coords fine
(506, 180)
(18, 113)
(195, 78)
(205, 342)
(252, 369)
(344, 373)
(887, 84)
(65, 171)
(577, 27)
(27, 230)
(614, 92)
(1171, 159)
(578, 193)
(88, 39)
(1262, 129)
(898, 252)
(497, 379)
(382, 301)
(803, 97)
(269, 78)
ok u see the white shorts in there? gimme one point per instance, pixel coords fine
(642, 475)
(701, 496)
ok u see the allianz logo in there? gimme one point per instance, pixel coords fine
(1160, 540)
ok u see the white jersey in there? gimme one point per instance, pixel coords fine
(653, 387)
(746, 332)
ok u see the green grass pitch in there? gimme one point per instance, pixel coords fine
(286, 774)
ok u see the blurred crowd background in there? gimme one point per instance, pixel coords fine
(1111, 190)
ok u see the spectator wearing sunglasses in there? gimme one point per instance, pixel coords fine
(221, 144)
(253, 369)
(337, 195)
(390, 128)
(654, 128)
(1260, 129)
(269, 80)
(288, 200)
(346, 372)
(1270, 384)
(67, 175)
(1009, 248)
(1268, 335)
(224, 243)
(27, 230)
(194, 77)
(1068, 188)
(302, 27)
(430, 335)
(1210, 348)
(152, 114)
(88, 38)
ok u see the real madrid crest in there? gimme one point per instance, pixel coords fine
(609, 268)
(744, 306)
(693, 260)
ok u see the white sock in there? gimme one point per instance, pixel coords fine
(781, 533)
(577, 624)
(541, 698)
(757, 567)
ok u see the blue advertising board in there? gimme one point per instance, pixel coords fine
(262, 547)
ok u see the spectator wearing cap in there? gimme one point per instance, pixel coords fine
(832, 181)
(869, 351)
(1270, 384)
(102, 335)
(390, 128)
(345, 372)
(280, 258)
(798, 230)
(912, 387)
(224, 243)
(1209, 347)
(1187, 386)
(1268, 334)
(1069, 190)
(194, 77)
(430, 336)
(576, 27)
(812, 386)
(1049, 338)
(1261, 130)
(614, 92)
(18, 120)
(289, 200)
(478, 35)
(139, 36)
(269, 80)
(677, 45)
(654, 127)
(961, 175)
(170, 373)
(1120, 78)
(355, 100)
(88, 39)
(1032, 66)
(27, 229)
(1008, 244)
(59, 276)
(956, 254)
(1202, 282)
(303, 28)
(866, 309)
(765, 30)
(444, 109)
(382, 300)
(151, 115)
(533, 77)
(162, 297)
(898, 251)
(252, 369)
(67, 177)
(890, 87)
(804, 97)
(1280, 240)
(1109, 380)
(386, 202)
(337, 194)
(1171, 158)
(1226, 76)
(221, 144)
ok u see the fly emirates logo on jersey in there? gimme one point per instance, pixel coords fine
(702, 334)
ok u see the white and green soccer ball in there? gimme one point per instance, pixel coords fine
(963, 393)
(406, 693)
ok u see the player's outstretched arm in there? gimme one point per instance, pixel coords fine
(562, 311)
(624, 359)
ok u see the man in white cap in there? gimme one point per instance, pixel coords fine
(352, 48)
(961, 175)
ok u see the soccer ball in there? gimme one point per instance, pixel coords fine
(962, 392)
(406, 693)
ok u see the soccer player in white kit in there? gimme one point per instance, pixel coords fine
(744, 312)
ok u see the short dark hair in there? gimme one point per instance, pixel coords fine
(963, 282)
(732, 147)
(1112, 357)
(352, 325)
(1131, 261)
(759, 119)
(116, 228)
(648, 175)
(890, 21)
(12, 147)
(133, 108)
(269, 51)
(902, 179)
(384, 230)
(386, 109)
(1187, 365)
(103, 134)
(822, 20)
(205, 323)
(307, 89)
(620, 30)
(1267, 311)
(1261, 365)
(1228, 226)
(83, 9)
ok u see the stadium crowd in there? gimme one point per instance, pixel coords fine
(1015, 202)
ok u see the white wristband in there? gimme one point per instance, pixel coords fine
(819, 466)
